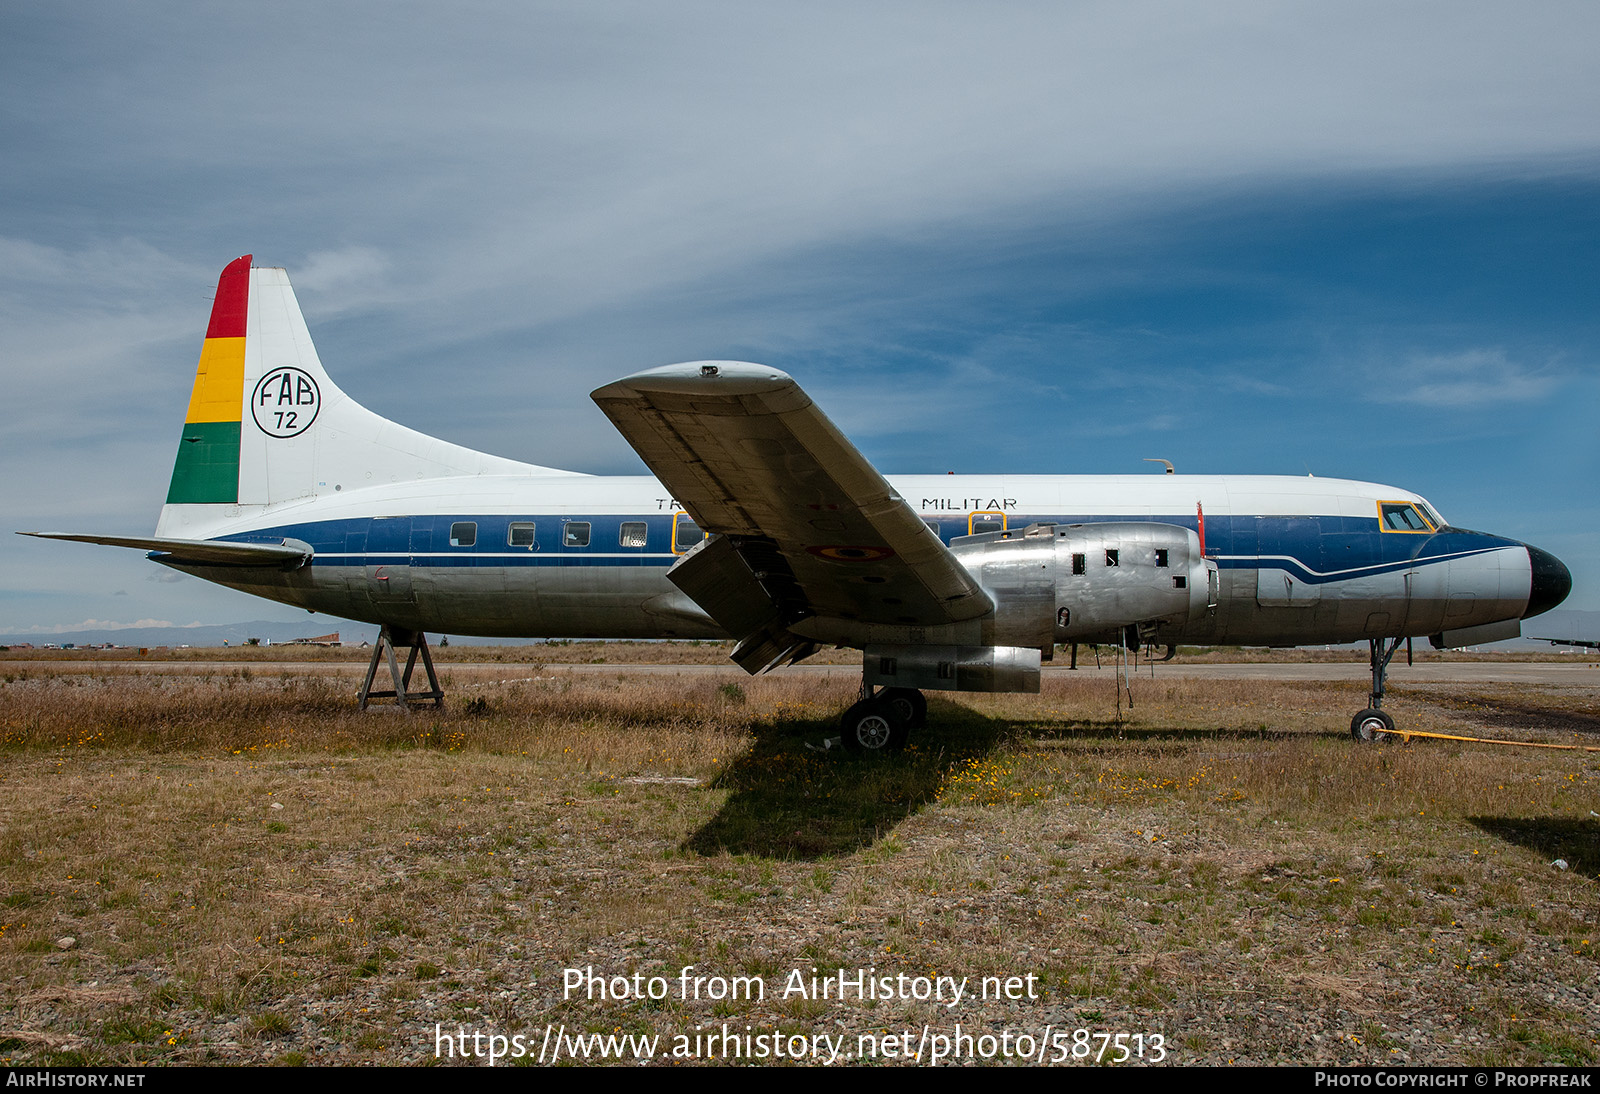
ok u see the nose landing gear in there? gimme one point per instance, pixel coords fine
(1373, 724)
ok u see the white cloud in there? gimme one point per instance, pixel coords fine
(342, 279)
(102, 625)
(1470, 378)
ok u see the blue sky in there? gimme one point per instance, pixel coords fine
(1359, 240)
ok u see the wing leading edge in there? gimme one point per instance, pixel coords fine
(803, 526)
(287, 554)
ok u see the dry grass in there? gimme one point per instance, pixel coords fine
(254, 872)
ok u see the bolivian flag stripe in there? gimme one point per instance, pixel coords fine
(207, 469)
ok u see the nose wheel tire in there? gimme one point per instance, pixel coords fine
(874, 726)
(1371, 725)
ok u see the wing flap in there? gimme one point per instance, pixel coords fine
(275, 553)
(744, 585)
(751, 457)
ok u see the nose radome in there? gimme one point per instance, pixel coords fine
(1552, 581)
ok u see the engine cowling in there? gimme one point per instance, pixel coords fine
(1056, 583)
(1081, 582)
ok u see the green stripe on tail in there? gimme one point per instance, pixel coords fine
(207, 469)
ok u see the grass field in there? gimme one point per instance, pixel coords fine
(239, 867)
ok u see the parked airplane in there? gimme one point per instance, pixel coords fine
(764, 524)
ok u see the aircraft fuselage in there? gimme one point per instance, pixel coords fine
(1298, 560)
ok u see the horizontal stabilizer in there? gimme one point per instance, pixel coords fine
(287, 554)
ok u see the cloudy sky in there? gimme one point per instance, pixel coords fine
(1358, 240)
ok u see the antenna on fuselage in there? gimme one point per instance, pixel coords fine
(1156, 459)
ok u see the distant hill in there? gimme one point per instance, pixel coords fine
(233, 634)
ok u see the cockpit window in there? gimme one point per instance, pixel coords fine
(1402, 516)
(985, 521)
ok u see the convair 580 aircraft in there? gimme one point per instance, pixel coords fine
(764, 524)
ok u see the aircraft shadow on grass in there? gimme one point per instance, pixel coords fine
(789, 801)
(1575, 840)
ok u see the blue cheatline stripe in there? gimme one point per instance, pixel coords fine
(1296, 545)
(1289, 564)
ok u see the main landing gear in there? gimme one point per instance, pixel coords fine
(1373, 724)
(882, 720)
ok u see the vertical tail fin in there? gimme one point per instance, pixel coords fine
(266, 425)
(206, 471)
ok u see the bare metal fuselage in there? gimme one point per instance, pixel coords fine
(1297, 561)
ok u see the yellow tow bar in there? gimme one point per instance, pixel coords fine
(1407, 734)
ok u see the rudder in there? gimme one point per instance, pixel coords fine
(206, 471)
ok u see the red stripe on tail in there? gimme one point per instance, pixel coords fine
(228, 312)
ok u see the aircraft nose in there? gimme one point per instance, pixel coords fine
(1552, 581)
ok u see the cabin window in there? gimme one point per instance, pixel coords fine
(1180, 583)
(520, 534)
(685, 533)
(933, 526)
(1401, 516)
(464, 533)
(1111, 556)
(575, 533)
(1079, 563)
(633, 534)
(1161, 557)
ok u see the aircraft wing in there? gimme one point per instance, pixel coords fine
(809, 527)
(279, 553)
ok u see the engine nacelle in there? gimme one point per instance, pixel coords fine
(1055, 583)
(952, 668)
(1077, 582)
(1112, 576)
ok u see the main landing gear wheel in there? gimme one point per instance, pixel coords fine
(874, 726)
(1371, 725)
(910, 703)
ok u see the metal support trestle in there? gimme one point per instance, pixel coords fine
(391, 639)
